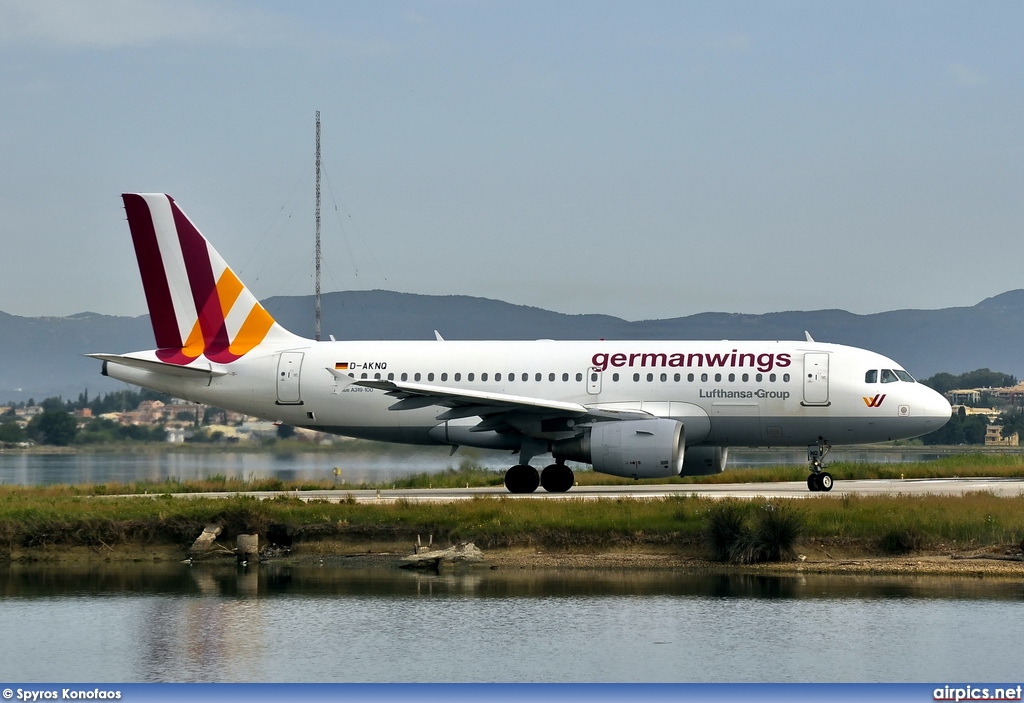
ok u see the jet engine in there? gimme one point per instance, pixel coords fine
(704, 461)
(631, 448)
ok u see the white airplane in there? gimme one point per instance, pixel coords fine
(639, 409)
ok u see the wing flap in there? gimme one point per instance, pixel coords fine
(463, 396)
(463, 403)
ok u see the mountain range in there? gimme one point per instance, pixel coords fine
(43, 356)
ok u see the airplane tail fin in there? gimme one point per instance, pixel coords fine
(197, 304)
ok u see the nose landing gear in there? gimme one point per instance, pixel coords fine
(819, 480)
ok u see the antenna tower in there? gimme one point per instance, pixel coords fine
(317, 295)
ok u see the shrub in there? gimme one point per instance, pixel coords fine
(724, 528)
(730, 536)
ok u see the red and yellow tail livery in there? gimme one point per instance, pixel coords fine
(197, 305)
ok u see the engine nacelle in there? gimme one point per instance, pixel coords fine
(704, 461)
(631, 448)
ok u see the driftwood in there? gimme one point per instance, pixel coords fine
(432, 560)
(205, 542)
(994, 557)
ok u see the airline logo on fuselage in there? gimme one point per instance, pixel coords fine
(764, 362)
(875, 402)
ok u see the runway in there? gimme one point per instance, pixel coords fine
(1003, 487)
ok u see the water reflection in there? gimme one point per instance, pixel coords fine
(271, 580)
(287, 622)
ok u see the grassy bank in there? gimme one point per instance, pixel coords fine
(90, 516)
(56, 517)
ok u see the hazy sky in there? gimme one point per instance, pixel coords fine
(641, 159)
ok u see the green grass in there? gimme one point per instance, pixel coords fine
(890, 524)
(90, 515)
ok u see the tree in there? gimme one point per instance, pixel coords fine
(285, 431)
(56, 427)
(1012, 421)
(11, 431)
(961, 429)
(53, 404)
(980, 378)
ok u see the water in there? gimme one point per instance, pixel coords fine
(171, 622)
(356, 467)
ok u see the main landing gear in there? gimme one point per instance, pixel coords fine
(523, 478)
(819, 480)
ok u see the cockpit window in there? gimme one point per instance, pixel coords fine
(888, 376)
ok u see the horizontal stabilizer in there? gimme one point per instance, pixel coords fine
(154, 366)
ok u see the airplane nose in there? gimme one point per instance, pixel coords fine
(936, 406)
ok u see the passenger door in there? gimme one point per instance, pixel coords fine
(816, 378)
(289, 366)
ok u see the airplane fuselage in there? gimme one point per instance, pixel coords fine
(725, 393)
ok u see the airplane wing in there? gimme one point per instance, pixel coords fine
(490, 406)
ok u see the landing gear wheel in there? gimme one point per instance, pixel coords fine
(821, 481)
(522, 478)
(824, 481)
(557, 478)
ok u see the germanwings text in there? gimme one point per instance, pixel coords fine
(735, 359)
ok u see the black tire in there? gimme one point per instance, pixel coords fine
(522, 478)
(812, 483)
(825, 481)
(557, 478)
